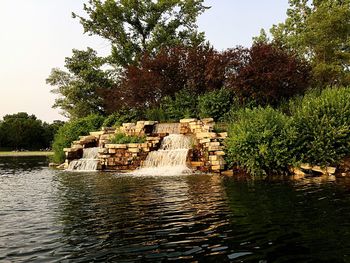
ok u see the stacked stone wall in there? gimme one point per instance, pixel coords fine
(207, 153)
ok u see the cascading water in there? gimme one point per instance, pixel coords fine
(170, 159)
(89, 162)
(171, 128)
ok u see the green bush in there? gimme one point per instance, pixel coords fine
(122, 116)
(259, 141)
(156, 114)
(121, 138)
(322, 122)
(183, 105)
(71, 131)
(215, 104)
(220, 127)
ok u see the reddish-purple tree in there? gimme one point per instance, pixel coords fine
(197, 69)
(266, 73)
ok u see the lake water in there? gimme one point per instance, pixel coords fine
(55, 216)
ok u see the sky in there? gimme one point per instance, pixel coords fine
(36, 36)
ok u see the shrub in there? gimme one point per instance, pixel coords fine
(215, 104)
(71, 131)
(121, 116)
(121, 138)
(156, 114)
(323, 126)
(183, 105)
(258, 141)
(220, 127)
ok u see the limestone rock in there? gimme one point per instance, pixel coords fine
(326, 170)
(207, 120)
(187, 120)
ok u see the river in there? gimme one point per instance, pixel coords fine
(54, 216)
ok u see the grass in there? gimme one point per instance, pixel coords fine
(29, 153)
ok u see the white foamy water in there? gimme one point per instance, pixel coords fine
(89, 162)
(170, 159)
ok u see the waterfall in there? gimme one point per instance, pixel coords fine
(170, 159)
(89, 162)
(171, 128)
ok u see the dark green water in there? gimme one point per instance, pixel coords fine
(53, 216)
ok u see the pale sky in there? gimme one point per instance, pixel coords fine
(36, 35)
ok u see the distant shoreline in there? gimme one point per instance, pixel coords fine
(20, 154)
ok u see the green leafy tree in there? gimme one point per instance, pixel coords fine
(78, 88)
(1, 136)
(22, 131)
(319, 30)
(71, 131)
(183, 105)
(215, 104)
(49, 132)
(134, 27)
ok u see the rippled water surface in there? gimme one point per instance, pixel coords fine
(53, 216)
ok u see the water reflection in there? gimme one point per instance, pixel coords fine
(293, 221)
(130, 218)
(50, 216)
(16, 165)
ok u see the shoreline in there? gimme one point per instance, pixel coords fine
(27, 154)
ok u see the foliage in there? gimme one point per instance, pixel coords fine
(121, 138)
(133, 28)
(156, 114)
(71, 131)
(23, 131)
(196, 69)
(323, 127)
(137, 27)
(49, 132)
(122, 116)
(78, 88)
(220, 127)
(215, 104)
(182, 105)
(263, 140)
(259, 141)
(319, 31)
(267, 73)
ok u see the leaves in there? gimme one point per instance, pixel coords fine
(121, 138)
(136, 27)
(196, 69)
(78, 88)
(71, 131)
(258, 141)
(322, 124)
(319, 31)
(267, 73)
(23, 131)
(215, 104)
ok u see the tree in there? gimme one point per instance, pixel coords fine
(77, 88)
(319, 31)
(22, 131)
(267, 73)
(71, 131)
(135, 27)
(50, 131)
(196, 69)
